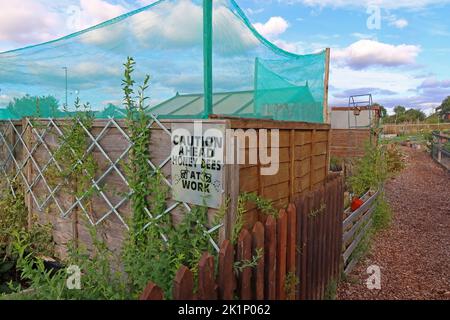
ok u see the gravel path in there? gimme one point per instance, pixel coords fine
(414, 253)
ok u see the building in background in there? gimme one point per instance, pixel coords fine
(351, 128)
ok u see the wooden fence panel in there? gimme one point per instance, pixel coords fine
(207, 288)
(226, 273)
(291, 256)
(258, 272)
(334, 229)
(244, 255)
(321, 240)
(305, 241)
(270, 247)
(328, 234)
(317, 253)
(303, 218)
(281, 254)
(152, 292)
(339, 209)
(183, 285)
(311, 254)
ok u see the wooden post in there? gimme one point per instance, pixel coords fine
(258, 271)
(293, 232)
(244, 253)
(226, 279)
(328, 161)
(183, 284)
(232, 189)
(281, 254)
(152, 292)
(326, 117)
(207, 288)
(232, 195)
(270, 248)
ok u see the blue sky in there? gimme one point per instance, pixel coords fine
(397, 50)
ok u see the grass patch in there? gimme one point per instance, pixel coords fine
(331, 290)
(381, 220)
(382, 215)
(363, 247)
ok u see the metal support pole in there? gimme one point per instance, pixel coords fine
(65, 70)
(207, 57)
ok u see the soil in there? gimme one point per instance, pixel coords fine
(414, 252)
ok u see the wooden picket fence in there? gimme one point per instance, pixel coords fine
(299, 255)
(355, 226)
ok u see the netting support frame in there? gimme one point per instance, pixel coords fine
(207, 58)
(326, 112)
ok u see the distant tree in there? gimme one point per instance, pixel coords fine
(34, 106)
(445, 105)
(399, 114)
(383, 111)
(444, 108)
(432, 118)
(398, 110)
(414, 115)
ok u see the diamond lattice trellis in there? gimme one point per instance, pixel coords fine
(17, 151)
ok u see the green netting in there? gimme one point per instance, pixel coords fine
(250, 76)
(290, 88)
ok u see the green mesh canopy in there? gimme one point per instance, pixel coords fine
(251, 77)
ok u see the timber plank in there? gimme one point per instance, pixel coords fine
(281, 254)
(270, 247)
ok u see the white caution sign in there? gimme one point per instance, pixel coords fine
(197, 159)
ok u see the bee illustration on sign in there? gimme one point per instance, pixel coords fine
(216, 184)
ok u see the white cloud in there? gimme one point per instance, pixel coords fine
(396, 22)
(389, 87)
(287, 46)
(180, 24)
(300, 47)
(400, 23)
(366, 53)
(4, 99)
(272, 28)
(345, 78)
(92, 12)
(434, 83)
(252, 12)
(429, 110)
(385, 4)
(359, 35)
(89, 69)
(26, 21)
